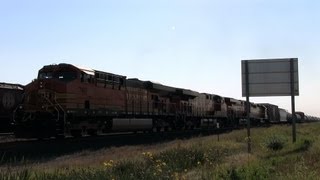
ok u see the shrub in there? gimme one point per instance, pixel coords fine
(275, 142)
(255, 170)
(305, 145)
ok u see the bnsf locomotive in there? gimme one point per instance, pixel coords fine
(67, 99)
(10, 97)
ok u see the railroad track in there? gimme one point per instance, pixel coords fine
(11, 135)
(6, 134)
(39, 149)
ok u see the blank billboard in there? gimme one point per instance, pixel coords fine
(270, 77)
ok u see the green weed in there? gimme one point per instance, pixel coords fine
(275, 142)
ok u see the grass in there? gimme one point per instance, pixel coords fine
(273, 156)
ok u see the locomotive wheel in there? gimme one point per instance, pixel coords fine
(76, 133)
(92, 132)
(60, 136)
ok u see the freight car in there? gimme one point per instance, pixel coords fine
(275, 114)
(284, 115)
(301, 117)
(10, 97)
(309, 118)
(68, 99)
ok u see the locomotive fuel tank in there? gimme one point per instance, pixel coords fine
(121, 124)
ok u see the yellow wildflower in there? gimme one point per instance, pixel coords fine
(108, 164)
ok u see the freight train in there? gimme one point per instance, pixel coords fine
(68, 99)
(10, 97)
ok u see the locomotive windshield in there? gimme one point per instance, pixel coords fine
(61, 75)
(45, 75)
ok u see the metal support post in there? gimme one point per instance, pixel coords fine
(248, 106)
(292, 80)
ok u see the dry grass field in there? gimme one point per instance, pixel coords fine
(273, 156)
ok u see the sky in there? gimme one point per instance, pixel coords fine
(192, 44)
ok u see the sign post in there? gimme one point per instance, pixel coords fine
(270, 77)
(294, 134)
(248, 107)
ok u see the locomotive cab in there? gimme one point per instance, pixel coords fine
(44, 108)
(52, 82)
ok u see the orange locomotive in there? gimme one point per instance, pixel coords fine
(70, 99)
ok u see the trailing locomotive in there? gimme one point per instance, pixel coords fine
(10, 97)
(67, 99)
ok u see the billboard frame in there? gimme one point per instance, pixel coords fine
(292, 64)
